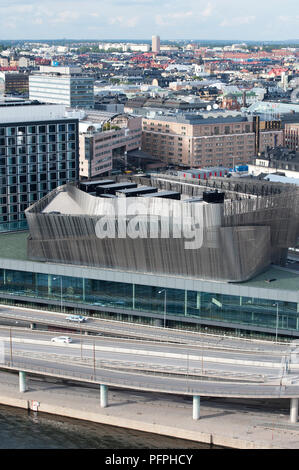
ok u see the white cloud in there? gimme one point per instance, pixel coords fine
(171, 18)
(38, 19)
(66, 17)
(121, 20)
(208, 10)
(132, 22)
(11, 24)
(116, 20)
(16, 9)
(238, 20)
(288, 19)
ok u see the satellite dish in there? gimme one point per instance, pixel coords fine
(215, 106)
(209, 107)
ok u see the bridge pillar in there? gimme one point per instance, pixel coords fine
(196, 406)
(104, 396)
(22, 381)
(294, 410)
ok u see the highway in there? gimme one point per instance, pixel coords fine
(132, 353)
(158, 366)
(139, 331)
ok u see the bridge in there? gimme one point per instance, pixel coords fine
(138, 357)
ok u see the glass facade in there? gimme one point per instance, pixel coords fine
(204, 306)
(34, 159)
(74, 91)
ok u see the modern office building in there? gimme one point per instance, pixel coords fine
(105, 138)
(233, 241)
(62, 85)
(14, 83)
(67, 267)
(207, 139)
(38, 151)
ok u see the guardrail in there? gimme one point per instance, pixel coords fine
(154, 369)
(160, 384)
(93, 377)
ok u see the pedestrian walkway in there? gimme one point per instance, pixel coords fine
(230, 423)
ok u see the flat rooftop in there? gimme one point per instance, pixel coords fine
(32, 113)
(14, 246)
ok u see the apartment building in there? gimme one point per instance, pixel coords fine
(38, 152)
(207, 139)
(278, 159)
(105, 138)
(291, 136)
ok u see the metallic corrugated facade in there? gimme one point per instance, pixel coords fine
(238, 239)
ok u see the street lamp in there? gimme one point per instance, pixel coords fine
(10, 342)
(160, 292)
(276, 329)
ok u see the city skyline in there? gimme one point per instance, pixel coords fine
(125, 19)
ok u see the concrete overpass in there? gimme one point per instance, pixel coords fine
(213, 371)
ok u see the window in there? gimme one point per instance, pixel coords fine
(31, 129)
(31, 139)
(11, 131)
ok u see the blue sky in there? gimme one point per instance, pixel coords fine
(140, 19)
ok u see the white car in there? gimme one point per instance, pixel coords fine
(76, 318)
(61, 339)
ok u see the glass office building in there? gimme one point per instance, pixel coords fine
(76, 91)
(39, 151)
(266, 304)
(205, 307)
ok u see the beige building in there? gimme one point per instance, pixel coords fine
(156, 44)
(194, 141)
(104, 138)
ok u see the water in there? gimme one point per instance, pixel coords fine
(20, 429)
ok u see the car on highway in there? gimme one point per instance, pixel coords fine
(61, 339)
(76, 318)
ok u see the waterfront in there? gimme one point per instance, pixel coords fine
(20, 429)
(70, 417)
